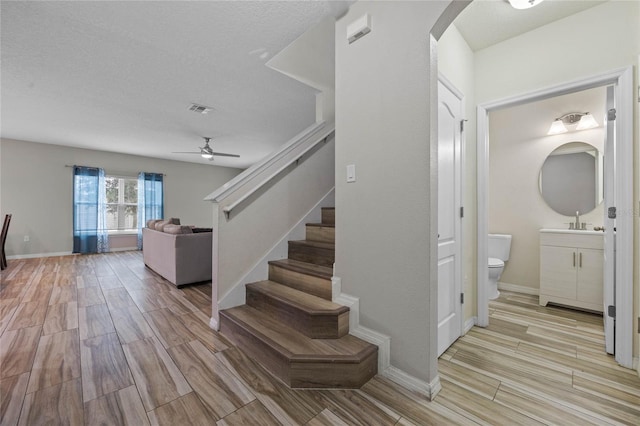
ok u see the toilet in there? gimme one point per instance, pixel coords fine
(499, 248)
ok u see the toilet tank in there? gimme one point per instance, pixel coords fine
(500, 246)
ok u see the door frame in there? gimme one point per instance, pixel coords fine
(622, 79)
(463, 106)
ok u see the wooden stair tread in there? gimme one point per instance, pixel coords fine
(314, 244)
(322, 225)
(295, 346)
(304, 268)
(306, 302)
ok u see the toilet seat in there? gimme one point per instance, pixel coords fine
(495, 263)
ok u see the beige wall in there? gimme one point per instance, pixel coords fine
(456, 62)
(385, 234)
(36, 188)
(607, 37)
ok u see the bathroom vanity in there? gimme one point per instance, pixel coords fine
(571, 268)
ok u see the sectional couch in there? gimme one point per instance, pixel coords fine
(176, 252)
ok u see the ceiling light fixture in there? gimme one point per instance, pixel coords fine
(582, 121)
(524, 4)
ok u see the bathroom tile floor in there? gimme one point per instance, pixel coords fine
(101, 339)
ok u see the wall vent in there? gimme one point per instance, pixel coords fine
(200, 109)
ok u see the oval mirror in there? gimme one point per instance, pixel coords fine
(571, 178)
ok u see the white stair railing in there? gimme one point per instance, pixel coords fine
(238, 190)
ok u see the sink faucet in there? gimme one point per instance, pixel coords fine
(577, 224)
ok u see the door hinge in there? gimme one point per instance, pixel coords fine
(611, 311)
(462, 298)
(611, 114)
(462, 125)
(611, 213)
(461, 211)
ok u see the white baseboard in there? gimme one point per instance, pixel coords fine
(36, 255)
(518, 288)
(430, 390)
(214, 324)
(468, 324)
(61, 253)
(383, 342)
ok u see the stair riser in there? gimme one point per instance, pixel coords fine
(347, 376)
(277, 364)
(329, 216)
(321, 233)
(316, 374)
(315, 255)
(317, 286)
(313, 326)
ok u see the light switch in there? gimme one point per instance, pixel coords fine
(351, 173)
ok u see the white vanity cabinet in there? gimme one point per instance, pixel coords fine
(571, 268)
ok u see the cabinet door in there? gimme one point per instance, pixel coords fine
(590, 276)
(558, 271)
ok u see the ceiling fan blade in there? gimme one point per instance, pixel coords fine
(222, 154)
(185, 152)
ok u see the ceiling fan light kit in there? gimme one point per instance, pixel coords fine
(206, 152)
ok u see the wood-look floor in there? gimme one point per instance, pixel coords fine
(100, 339)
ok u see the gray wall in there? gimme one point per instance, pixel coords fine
(385, 233)
(36, 187)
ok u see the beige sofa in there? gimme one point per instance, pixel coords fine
(179, 258)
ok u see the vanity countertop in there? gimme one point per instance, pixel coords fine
(573, 231)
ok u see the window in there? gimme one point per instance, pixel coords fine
(121, 203)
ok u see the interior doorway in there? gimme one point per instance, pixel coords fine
(622, 83)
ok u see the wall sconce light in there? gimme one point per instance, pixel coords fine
(524, 4)
(582, 121)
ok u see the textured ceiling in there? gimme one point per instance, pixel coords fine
(119, 76)
(486, 22)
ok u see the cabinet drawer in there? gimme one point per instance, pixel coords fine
(577, 240)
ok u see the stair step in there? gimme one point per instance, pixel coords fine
(321, 232)
(329, 215)
(312, 316)
(316, 252)
(300, 362)
(306, 277)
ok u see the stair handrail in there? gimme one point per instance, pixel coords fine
(306, 140)
(228, 188)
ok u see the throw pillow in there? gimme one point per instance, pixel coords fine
(177, 229)
(161, 224)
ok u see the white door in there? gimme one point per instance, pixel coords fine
(609, 224)
(449, 215)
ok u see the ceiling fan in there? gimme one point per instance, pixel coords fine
(207, 152)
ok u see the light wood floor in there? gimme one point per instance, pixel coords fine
(100, 339)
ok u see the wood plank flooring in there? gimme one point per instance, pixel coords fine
(100, 339)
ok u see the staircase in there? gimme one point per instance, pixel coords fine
(290, 325)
